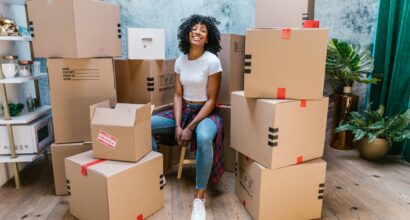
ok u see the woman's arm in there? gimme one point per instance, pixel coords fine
(178, 108)
(214, 82)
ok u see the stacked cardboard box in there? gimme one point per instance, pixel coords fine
(77, 38)
(231, 56)
(279, 120)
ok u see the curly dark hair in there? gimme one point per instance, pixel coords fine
(214, 36)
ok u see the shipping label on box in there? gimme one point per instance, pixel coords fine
(104, 189)
(278, 133)
(292, 192)
(122, 133)
(285, 63)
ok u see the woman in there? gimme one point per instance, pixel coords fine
(198, 78)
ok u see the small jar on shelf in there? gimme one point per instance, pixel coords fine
(9, 66)
(25, 68)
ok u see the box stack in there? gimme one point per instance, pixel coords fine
(231, 56)
(146, 76)
(80, 38)
(279, 121)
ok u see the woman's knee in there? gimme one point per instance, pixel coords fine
(204, 138)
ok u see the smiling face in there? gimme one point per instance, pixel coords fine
(198, 36)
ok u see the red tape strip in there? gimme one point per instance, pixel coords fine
(244, 203)
(303, 103)
(281, 93)
(85, 166)
(299, 159)
(311, 24)
(246, 158)
(140, 217)
(286, 33)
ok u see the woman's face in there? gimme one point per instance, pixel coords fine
(198, 36)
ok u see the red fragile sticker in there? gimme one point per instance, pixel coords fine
(286, 33)
(299, 159)
(244, 203)
(85, 166)
(107, 139)
(281, 93)
(303, 103)
(140, 217)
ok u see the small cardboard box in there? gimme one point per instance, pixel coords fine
(58, 153)
(74, 28)
(122, 133)
(75, 84)
(285, 63)
(143, 81)
(146, 43)
(278, 133)
(103, 189)
(293, 192)
(229, 153)
(283, 13)
(232, 60)
(171, 155)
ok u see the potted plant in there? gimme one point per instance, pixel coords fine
(375, 133)
(346, 64)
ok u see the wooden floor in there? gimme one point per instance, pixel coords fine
(355, 189)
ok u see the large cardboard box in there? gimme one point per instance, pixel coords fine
(143, 81)
(74, 28)
(278, 133)
(232, 60)
(229, 153)
(58, 153)
(146, 43)
(121, 133)
(285, 63)
(293, 192)
(283, 13)
(75, 84)
(103, 189)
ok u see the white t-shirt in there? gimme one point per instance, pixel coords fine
(194, 75)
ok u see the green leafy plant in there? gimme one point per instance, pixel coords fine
(373, 124)
(348, 63)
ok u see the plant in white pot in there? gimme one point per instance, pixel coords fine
(346, 64)
(374, 132)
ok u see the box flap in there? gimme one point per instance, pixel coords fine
(103, 104)
(108, 167)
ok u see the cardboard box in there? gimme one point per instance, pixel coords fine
(74, 28)
(58, 153)
(293, 192)
(122, 133)
(143, 81)
(171, 155)
(75, 84)
(229, 153)
(283, 13)
(232, 60)
(278, 133)
(103, 189)
(146, 43)
(285, 63)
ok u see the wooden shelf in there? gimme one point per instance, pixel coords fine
(22, 79)
(23, 157)
(15, 38)
(28, 117)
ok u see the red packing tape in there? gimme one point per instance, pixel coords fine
(244, 203)
(85, 166)
(303, 103)
(299, 159)
(286, 33)
(140, 217)
(281, 93)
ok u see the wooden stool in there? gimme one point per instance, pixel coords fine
(183, 161)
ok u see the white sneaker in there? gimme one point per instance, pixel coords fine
(198, 210)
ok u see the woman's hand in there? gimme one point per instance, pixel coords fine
(178, 134)
(186, 136)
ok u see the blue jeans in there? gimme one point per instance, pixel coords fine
(205, 133)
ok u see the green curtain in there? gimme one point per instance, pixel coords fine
(392, 62)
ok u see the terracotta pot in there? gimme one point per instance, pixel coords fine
(374, 150)
(343, 105)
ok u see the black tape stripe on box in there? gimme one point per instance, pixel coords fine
(67, 181)
(69, 193)
(150, 89)
(273, 130)
(150, 78)
(248, 56)
(118, 25)
(322, 185)
(273, 137)
(305, 18)
(248, 64)
(162, 187)
(150, 84)
(119, 31)
(247, 71)
(161, 176)
(320, 197)
(32, 35)
(321, 190)
(272, 144)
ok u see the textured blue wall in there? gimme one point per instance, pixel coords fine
(352, 20)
